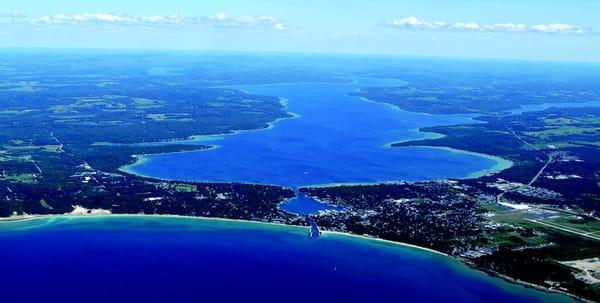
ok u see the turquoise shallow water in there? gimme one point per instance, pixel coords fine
(335, 138)
(169, 259)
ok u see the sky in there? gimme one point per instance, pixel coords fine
(555, 30)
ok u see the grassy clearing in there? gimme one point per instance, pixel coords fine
(572, 121)
(15, 112)
(8, 158)
(20, 178)
(170, 117)
(51, 148)
(88, 103)
(143, 103)
(21, 86)
(512, 217)
(515, 238)
(180, 187)
(564, 131)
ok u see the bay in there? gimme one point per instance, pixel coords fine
(176, 259)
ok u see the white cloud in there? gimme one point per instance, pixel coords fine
(220, 16)
(219, 20)
(470, 26)
(506, 27)
(418, 24)
(224, 20)
(415, 23)
(559, 28)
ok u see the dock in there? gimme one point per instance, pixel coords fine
(314, 231)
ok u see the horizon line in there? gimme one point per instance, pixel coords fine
(288, 52)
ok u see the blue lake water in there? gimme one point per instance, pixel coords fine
(304, 205)
(151, 259)
(333, 139)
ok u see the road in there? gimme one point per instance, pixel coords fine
(521, 139)
(37, 166)
(537, 176)
(539, 173)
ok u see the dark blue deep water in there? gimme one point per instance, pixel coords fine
(151, 259)
(335, 138)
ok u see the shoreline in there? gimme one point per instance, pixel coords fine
(25, 218)
(390, 243)
(500, 163)
(144, 158)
